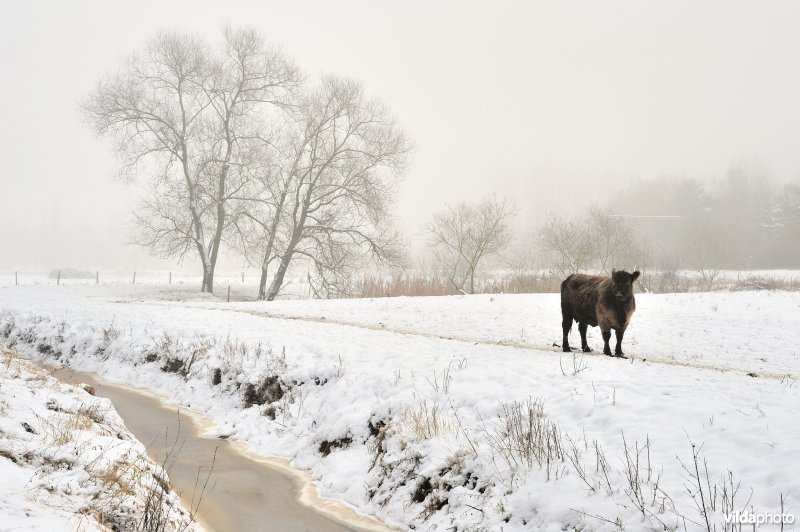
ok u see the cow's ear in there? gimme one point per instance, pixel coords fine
(635, 275)
(613, 271)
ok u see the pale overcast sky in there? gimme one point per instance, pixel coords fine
(550, 103)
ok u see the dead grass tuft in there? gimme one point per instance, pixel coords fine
(426, 422)
(525, 437)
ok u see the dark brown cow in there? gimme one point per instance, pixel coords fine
(595, 300)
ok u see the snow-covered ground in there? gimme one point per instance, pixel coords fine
(67, 462)
(747, 331)
(457, 412)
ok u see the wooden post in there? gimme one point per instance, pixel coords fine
(16, 279)
(58, 278)
(134, 278)
(97, 277)
(229, 293)
(170, 277)
(242, 276)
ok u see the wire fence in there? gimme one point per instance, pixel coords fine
(231, 285)
(243, 285)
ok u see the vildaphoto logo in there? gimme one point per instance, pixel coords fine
(758, 519)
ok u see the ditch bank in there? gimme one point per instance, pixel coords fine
(226, 485)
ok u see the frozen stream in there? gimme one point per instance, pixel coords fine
(249, 492)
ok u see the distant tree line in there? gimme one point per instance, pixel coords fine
(742, 221)
(665, 225)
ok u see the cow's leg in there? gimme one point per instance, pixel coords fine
(582, 326)
(566, 325)
(618, 350)
(606, 337)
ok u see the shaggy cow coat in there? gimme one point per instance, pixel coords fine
(596, 300)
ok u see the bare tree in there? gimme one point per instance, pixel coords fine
(325, 198)
(613, 236)
(569, 244)
(708, 248)
(598, 241)
(464, 235)
(186, 117)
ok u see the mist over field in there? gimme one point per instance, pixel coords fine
(451, 265)
(556, 107)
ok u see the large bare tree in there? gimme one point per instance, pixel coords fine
(324, 194)
(190, 118)
(464, 236)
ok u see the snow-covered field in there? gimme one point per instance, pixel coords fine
(67, 462)
(243, 284)
(457, 412)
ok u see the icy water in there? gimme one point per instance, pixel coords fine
(244, 492)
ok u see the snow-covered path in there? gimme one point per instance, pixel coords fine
(752, 332)
(391, 363)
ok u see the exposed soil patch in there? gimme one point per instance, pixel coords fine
(173, 365)
(325, 447)
(424, 489)
(268, 390)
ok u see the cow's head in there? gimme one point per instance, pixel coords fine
(622, 282)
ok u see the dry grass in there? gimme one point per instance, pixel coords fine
(136, 478)
(122, 480)
(402, 284)
(119, 478)
(62, 426)
(525, 437)
(535, 282)
(426, 421)
(60, 429)
(9, 356)
(92, 414)
(542, 281)
(37, 374)
(419, 284)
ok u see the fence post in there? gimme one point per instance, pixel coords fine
(58, 278)
(16, 279)
(229, 293)
(97, 277)
(242, 276)
(170, 277)
(134, 278)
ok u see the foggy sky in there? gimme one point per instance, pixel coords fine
(551, 103)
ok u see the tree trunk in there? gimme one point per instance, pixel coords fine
(262, 285)
(217, 239)
(212, 262)
(208, 279)
(286, 258)
(277, 281)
